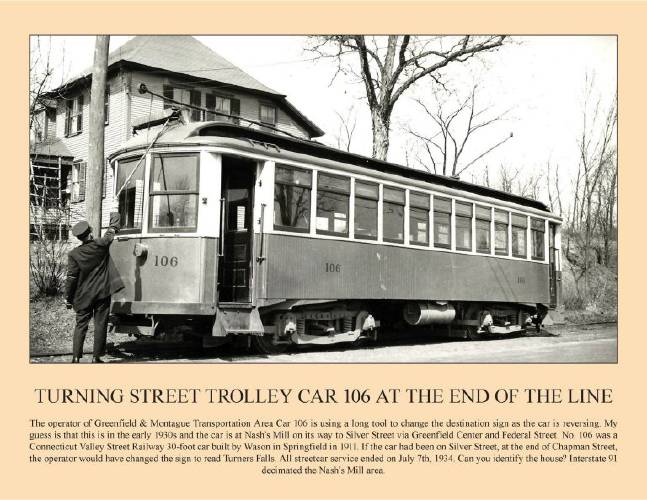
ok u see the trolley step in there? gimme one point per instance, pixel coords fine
(237, 320)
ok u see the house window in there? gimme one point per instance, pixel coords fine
(483, 222)
(537, 230)
(44, 187)
(78, 181)
(169, 95)
(195, 99)
(393, 215)
(442, 222)
(268, 114)
(501, 232)
(419, 218)
(50, 123)
(235, 111)
(131, 197)
(174, 193)
(106, 105)
(74, 116)
(519, 230)
(292, 199)
(219, 105)
(366, 197)
(333, 195)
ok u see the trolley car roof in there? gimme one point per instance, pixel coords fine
(207, 134)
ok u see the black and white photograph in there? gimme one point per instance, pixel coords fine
(323, 199)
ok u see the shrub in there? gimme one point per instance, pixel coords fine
(48, 266)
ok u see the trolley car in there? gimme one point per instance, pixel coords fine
(229, 231)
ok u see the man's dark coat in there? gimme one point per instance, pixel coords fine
(89, 273)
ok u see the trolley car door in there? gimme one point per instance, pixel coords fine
(235, 263)
(552, 261)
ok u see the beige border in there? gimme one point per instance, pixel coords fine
(623, 480)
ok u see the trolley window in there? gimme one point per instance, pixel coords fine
(292, 199)
(393, 215)
(537, 230)
(501, 222)
(483, 222)
(333, 199)
(464, 212)
(418, 218)
(519, 229)
(442, 222)
(174, 193)
(131, 197)
(366, 197)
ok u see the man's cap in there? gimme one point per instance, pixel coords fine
(80, 228)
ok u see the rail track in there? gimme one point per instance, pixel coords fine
(150, 350)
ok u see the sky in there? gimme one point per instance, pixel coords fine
(537, 81)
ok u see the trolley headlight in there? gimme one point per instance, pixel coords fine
(140, 250)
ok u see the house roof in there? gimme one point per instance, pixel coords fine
(50, 148)
(185, 55)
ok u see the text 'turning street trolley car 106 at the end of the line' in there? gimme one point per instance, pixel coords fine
(229, 232)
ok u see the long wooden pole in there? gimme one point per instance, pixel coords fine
(96, 156)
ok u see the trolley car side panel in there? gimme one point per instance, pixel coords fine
(305, 268)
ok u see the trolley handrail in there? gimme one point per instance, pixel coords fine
(221, 242)
(261, 252)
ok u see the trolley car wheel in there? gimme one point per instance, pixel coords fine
(473, 333)
(474, 312)
(265, 345)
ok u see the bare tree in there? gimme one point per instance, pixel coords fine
(389, 66)
(592, 217)
(451, 129)
(553, 190)
(512, 180)
(48, 215)
(40, 74)
(346, 129)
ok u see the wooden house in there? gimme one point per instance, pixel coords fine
(177, 68)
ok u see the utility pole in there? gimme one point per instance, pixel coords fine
(96, 157)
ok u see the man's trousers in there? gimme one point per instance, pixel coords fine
(99, 309)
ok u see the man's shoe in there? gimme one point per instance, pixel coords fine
(75, 359)
(96, 359)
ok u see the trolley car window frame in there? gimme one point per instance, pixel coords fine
(142, 166)
(537, 238)
(442, 219)
(367, 195)
(483, 225)
(337, 189)
(490, 228)
(394, 199)
(501, 227)
(463, 222)
(152, 194)
(519, 223)
(419, 206)
(290, 184)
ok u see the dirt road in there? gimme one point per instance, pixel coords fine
(564, 344)
(581, 344)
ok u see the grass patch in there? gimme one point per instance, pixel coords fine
(51, 326)
(580, 317)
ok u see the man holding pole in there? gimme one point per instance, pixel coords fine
(88, 287)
